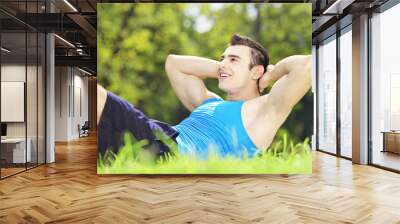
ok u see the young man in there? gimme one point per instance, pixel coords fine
(245, 123)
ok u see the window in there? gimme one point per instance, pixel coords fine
(346, 92)
(327, 95)
(385, 89)
(22, 68)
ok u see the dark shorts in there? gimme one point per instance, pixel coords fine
(119, 117)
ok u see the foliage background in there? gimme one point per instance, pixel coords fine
(135, 39)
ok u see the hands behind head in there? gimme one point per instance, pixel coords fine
(266, 79)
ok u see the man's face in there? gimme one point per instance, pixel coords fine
(234, 73)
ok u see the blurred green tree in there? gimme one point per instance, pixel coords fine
(135, 39)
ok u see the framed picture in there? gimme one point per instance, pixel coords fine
(204, 88)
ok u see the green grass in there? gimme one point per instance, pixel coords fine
(283, 157)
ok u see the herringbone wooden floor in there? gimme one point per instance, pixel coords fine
(70, 191)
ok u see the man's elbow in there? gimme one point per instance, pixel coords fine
(308, 61)
(101, 101)
(303, 71)
(305, 61)
(170, 63)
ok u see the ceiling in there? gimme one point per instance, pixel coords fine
(75, 21)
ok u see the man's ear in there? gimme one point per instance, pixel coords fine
(257, 72)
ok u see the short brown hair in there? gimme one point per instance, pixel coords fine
(259, 55)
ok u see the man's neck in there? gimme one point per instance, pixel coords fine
(244, 95)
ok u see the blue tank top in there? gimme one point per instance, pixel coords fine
(215, 125)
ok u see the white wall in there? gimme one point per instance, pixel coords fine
(12, 73)
(80, 110)
(12, 101)
(61, 103)
(34, 124)
(71, 94)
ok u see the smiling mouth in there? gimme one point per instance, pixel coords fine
(224, 75)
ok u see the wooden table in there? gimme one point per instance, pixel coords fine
(391, 141)
(13, 150)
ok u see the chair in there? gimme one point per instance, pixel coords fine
(84, 130)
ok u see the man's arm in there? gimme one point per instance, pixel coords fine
(293, 75)
(101, 101)
(264, 115)
(185, 74)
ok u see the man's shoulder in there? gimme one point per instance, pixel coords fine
(257, 101)
(258, 106)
